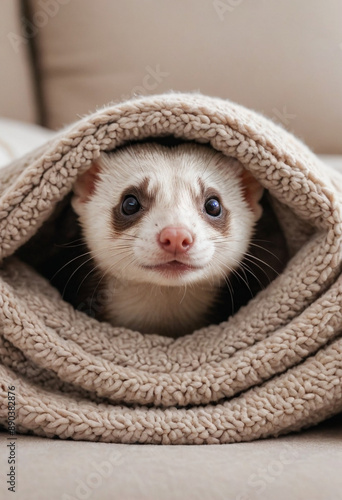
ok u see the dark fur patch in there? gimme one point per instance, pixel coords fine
(220, 223)
(146, 198)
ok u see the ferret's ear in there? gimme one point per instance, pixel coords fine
(253, 192)
(84, 187)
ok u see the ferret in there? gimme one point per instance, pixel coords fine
(165, 227)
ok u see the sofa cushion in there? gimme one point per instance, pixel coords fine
(282, 58)
(17, 95)
(18, 138)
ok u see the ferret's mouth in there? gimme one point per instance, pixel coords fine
(172, 267)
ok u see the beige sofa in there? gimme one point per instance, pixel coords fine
(63, 58)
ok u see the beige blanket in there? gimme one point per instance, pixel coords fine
(275, 366)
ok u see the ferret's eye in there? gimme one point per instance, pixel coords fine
(130, 205)
(213, 207)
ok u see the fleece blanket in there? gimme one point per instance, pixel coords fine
(273, 367)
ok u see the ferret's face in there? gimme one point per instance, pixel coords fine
(168, 216)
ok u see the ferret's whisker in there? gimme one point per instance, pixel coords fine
(76, 258)
(243, 270)
(133, 261)
(228, 283)
(185, 288)
(230, 289)
(251, 256)
(79, 267)
(266, 250)
(68, 263)
(235, 272)
(70, 244)
(86, 276)
(244, 266)
(259, 267)
(97, 286)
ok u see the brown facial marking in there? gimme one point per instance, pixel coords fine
(252, 191)
(86, 183)
(221, 222)
(146, 198)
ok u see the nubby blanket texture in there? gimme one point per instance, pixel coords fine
(273, 367)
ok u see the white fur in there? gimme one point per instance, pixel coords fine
(145, 299)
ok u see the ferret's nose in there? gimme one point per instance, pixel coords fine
(175, 239)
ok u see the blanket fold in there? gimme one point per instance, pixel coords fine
(273, 367)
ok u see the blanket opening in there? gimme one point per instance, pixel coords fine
(273, 366)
